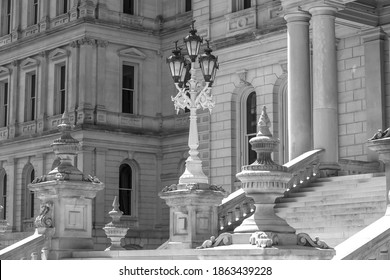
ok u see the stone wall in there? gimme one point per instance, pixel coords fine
(352, 98)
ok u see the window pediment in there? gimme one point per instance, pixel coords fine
(4, 71)
(29, 62)
(132, 53)
(58, 53)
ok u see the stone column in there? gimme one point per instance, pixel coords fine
(375, 83)
(325, 99)
(299, 100)
(100, 159)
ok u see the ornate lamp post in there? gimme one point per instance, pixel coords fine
(192, 95)
(193, 202)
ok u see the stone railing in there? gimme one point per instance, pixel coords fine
(351, 167)
(304, 169)
(371, 243)
(233, 210)
(26, 248)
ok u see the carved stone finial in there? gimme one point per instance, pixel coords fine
(264, 124)
(115, 230)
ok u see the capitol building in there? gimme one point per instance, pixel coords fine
(98, 70)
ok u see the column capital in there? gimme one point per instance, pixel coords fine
(297, 17)
(325, 9)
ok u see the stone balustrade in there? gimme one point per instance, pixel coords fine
(233, 210)
(305, 169)
(26, 248)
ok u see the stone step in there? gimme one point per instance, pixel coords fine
(309, 201)
(340, 194)
(352, 186)
(369, 176)
(360, 218)
(321, 214)
(355, 203)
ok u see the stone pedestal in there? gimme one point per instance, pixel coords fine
(193, 213)
(66, 199)
(264, 181)
(381, 145)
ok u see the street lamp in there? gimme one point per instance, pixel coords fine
(193, 96)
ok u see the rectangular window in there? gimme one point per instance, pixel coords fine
(61, 89)
(4, 104)
(128, 7)
(6, 17)
(31, 86)
(35, 11)
(128, 77)
(188, 5)
(238, 5)
(62, 6)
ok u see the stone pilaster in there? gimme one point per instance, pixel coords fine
(375, 83)
(42, 92)
(44, 22)
(325, 93)
(101, 78)
(299, 99)
(10, 169)
(87, 80)
(14, 98)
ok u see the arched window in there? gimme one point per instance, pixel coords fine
(29, 195)
(3, 193)
(250, 127)
(126, 190)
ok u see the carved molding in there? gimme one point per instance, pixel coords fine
(4, 71)
(133, 53)
(29, 62)
(58, 53)
(305, 240)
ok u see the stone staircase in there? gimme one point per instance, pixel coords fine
(335, 208)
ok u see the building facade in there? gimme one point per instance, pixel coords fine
(320, 67)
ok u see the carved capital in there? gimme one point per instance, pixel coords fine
(102, 43)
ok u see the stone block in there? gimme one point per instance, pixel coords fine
(360, 116)
(361, 138)
(354, 106)
(344, 75)
(344, 54)
(345, 96)
(354, 128)
(341, 65)
(352, 63)
(342, 129)
(346, 118)
(352, 42)
(346, 140)
(353, 84)
(358, 51)
(358, 72)
(355, 150)
(359, 94)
